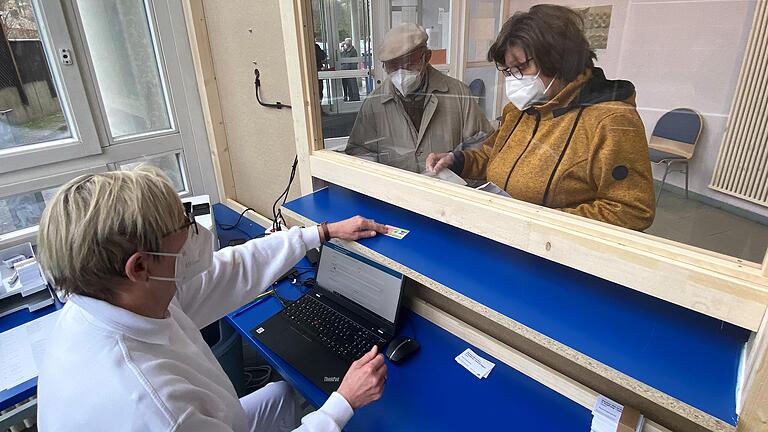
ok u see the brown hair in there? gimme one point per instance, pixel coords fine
(552, 35)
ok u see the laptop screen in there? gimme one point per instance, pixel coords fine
(360, 280)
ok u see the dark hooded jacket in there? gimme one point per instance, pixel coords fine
(583, 152)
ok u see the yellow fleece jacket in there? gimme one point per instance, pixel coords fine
(584, 152)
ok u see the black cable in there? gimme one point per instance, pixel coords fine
(280, 298)
(234, 225)
(257, 381)
(257, 86)
(277, 214)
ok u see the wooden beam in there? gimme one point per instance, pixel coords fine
(539, 372)
(754, 412)
(298, 34)
(459, 37)
(205, 73)
(726, 290)
(561, 357)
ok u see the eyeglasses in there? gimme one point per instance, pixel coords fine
(190, 222)
(409, 61)
(514, 71)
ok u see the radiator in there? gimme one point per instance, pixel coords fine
(742, 164)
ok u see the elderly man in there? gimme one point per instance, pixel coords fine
(349, 85)
(141, 279)
(417, 110)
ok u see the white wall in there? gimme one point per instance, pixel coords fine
(679, 54)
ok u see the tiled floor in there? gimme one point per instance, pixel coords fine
(698, 224)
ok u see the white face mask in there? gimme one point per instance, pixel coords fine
(194, 258)
(522, 92)
(405, 81)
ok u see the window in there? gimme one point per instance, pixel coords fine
(24, 210)
(44, 116)
(131, 107)
(126, 60)
(171, 164)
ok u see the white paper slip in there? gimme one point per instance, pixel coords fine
(607, 409)
(470, 366)
(600, 424)
(475, 364)
(492, 188)
(397, 233)
(610, 416)
(22, 349)
(447, 175)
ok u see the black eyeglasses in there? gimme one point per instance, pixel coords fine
(514, 71)
(190, 222)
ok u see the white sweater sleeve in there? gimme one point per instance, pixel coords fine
(331, 417)
(240, 273)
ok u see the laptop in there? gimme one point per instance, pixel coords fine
(354, 305)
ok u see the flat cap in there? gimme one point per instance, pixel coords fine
(400, 40)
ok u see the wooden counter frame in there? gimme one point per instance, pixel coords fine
(719, 286)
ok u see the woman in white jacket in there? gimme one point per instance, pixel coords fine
(141, 279)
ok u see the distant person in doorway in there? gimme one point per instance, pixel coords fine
(320, 57)
(349, 85)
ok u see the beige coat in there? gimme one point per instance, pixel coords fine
(384, 133)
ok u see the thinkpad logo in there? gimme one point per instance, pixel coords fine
(331, 379)
(260, 330)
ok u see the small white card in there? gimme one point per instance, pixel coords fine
(397, 233)
(606, 415)
(447, 175)
(475, 364)
(608, 409)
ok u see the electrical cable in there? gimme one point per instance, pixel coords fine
(234, 225)
(257, 381)
(283, 302)
(257, 86)
(277, 215)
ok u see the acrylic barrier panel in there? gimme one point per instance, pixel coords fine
(620, 118)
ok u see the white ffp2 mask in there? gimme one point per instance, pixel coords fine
(522, 92)
(405, 81)
(194, 258)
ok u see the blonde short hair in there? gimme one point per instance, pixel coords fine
(97, 221)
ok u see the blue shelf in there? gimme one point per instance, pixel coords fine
(430, 391)
(685, 354)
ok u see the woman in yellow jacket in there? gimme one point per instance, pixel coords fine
(569, 139)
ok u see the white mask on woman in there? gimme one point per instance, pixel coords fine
(406, 81)
(194, 258)
(522, 92)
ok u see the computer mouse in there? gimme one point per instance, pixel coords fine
(401, 348)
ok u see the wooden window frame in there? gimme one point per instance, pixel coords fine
(723, 287)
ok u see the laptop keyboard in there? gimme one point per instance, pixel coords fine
(338, 333)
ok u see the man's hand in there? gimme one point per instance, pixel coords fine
(436, 162)
(364, 381)
(356, 228)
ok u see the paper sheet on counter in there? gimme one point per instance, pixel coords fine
(22, 350)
